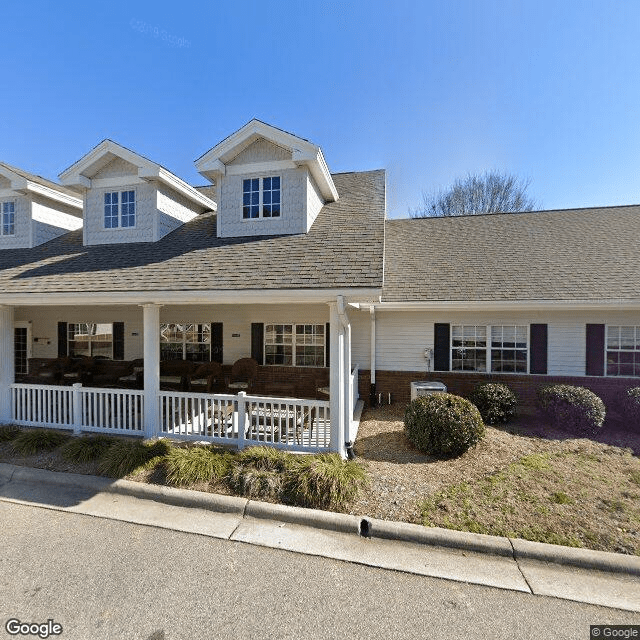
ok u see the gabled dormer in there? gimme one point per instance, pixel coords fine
(128, 198)
(34, 210)
(268, 182)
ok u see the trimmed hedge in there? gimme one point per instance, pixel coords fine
(575, 409)
(442, 424)
(630, 406)
(496, 402)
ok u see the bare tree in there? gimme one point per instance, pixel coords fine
(489, 192)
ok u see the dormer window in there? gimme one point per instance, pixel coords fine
(119, 209)
(261, 203)
(8, 218)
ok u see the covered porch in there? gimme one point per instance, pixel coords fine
(281, 408)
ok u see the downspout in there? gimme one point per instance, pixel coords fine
(344, 321)
(372, 390)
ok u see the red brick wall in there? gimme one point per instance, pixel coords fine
(398, 383)
(298, 382)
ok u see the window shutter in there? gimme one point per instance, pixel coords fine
(538, 348)
(216, 342)
(441, 340)
(118, 340)
(257, 341)
(595, 350)
(63, 346)
(327, 344)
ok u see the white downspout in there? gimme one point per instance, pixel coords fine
(346, 367)
(372, 391)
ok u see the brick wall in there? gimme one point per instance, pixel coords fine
(298, 382)
(398, 383)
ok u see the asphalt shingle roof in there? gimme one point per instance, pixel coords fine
(577, 254)
(344, 248)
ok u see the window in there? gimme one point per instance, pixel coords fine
(90, 339)
(185, 341)
(8, 218)
(507, 351)
(302, 345)
(119, 209)
(623, 351)
(257, 203)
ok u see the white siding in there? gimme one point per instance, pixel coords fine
(293, 217)
(314, 202)
(22, 218)
(402, 336)
(173, 210)
(261, 151)
(117, 168)
(51, 220)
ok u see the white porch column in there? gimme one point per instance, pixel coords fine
(7, 363)
(151, 337)
(348, 398)
(337, 381)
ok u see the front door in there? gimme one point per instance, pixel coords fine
(22, 347)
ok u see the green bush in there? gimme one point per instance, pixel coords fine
(196, 464)
(8, 433)
(126, 456)
(575, 409)
(442, 424)
(86, 448)
(34, 440)
(630, 406)
(496, 402)
(261, 472)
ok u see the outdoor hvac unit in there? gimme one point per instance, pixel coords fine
(425, 388)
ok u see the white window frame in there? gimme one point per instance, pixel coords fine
(636, 349)
(71, 337)
(261, 203)
(164, 326)
(488, 347)
(120, 193)
(4, 203)
(295, 344)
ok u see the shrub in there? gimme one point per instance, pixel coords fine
(34, 440)
(575, 409)
(125, 456)
(496, 402)
(9, 433)
(261, 472)
(325, 481)
(630, 406)
(86, 448)
(443, 424)
(195, 464)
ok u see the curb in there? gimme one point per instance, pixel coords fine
(515, 548)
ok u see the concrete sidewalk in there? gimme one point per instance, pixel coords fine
(593, 577)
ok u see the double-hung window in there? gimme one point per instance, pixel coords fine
(119, 209)
(495, 348)
(90, 339)
(8, 218)
(261, 198)
(185, 341)
(623, 350)
(302, 345)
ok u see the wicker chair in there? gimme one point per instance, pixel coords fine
(209, 375)
(243, 372)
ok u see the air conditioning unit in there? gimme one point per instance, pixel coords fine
(426, 388)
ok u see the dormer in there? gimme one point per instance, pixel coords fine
(128, 198)
(34, 210)
(268, 182)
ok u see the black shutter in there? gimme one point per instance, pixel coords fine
(441, 333)
(538, 348)
(327, 344)
(216, 342)
(118, 340)
(63, 346)
(595, 349)
(257, 341)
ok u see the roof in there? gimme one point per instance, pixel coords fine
(343, 249)
(32, 177)
(574, 254)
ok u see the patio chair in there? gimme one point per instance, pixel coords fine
(209, 375)
(243, 375)
(177, 372)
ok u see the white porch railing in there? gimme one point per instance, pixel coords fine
(243, 420)
(78, 408)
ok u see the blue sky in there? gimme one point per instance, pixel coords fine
(430, 91)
